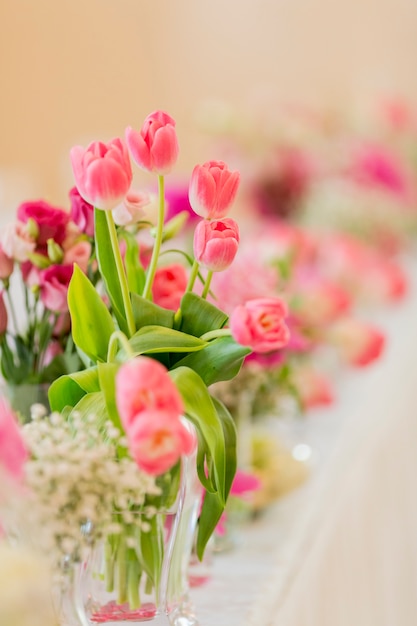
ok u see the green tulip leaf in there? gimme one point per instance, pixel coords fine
(211, 512)
(147, 313)
(230, 435)
(69, 389)
(134, 270)
(107, 267)
(220, 360)
(199, 316)
(200, 410)
(107, 377)
(91, 322)
(154, 339)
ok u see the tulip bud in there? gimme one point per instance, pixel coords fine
(213, 188)
(102, 172)
(216, 243)
(155, 147)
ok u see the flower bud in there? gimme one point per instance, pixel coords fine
(6, 265)
(155, 147)
(213, 188)
(55, 252)
(102, 172)
(216, 243)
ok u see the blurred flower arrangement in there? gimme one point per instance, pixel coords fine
(151, 347)
(37, 253)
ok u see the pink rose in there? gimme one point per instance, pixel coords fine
(213, 188)
(260, 324)
(143, 384)
(3, 314)
(155, 147)
(216, 243)
(169, 285)
(102, 172)
(51, 221)
(6, 265)
(80, 254)
(156, 441)
(131, 210)
(13, 452)
(81, 212)
(54, 283)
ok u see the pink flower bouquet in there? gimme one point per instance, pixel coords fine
(154, 344)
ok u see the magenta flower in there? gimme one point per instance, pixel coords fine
(155, 147)
(212, 190)
(81, 212)
(51, 221)
(260, 324)
(156, 441)
(216, 243)
(54, 283)
(13, 452)
(3, 314)
(169, 285)
(102, 172)
(143, 384)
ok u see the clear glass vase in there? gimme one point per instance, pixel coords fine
(141, 574)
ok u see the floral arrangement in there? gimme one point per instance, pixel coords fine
(152, 344)
(37, 253)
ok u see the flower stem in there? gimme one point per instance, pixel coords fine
(122, 571)
(118, 338)
(207, 284)
(12, 311)
(158, 240)
(214, 334)
(193, 276)
(121, 273)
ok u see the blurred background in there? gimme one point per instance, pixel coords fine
(77, 70)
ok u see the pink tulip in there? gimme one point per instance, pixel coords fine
(169, 286)
(216, 243)
(54, 283)
(3, 314)
(143, 384)
(260, 324)
(6, 265)
(13, 452)
(156, 441)
(155, 147)
(102, 172)
(212, 190)
(51, 221)
(81, 213)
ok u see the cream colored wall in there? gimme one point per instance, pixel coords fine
(76, 70)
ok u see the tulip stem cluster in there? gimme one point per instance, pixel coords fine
(121, 273)
(147, 292)
(193, 275)
(207, 284)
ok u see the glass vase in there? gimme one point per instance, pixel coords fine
(141, 574)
